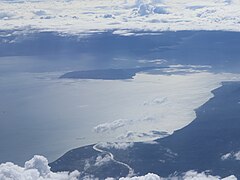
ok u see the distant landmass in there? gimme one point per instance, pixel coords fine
(208, 143)
(107, 74)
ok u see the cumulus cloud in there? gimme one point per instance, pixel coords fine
(226, 156)
(190, 175)
(231, 156)
(149, 176)
(154, 15)
(111, 127)
(106, 127)
(35, 169)
(237, 155)
(116, 145)
(144, 8)
(101, 160)
(130, 136)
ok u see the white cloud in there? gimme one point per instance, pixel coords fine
(182, 70)
(115, 145)
(35, 169)
(101, 160)
(199, 176)
(88, 15)
(190, 175)
(131, 136)
(226, 156)
(124, 123)
(149, 176)
(121, 123)
(237, 155)
(179, 68)
(190, 66)
(231, 155)
(111, 126)
(144, 9)
(90, 177)
(232, 177)
(155, 61)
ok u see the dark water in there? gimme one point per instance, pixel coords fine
(199, 146)
(218, 49)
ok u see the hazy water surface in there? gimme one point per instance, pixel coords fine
(41, 114)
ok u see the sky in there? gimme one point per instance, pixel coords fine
(122, 16)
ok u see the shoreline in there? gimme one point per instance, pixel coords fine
(169, 148)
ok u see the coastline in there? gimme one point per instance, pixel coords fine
(198, 146)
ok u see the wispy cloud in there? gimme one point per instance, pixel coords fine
(231, 156)
(111, 126)
(152, 102)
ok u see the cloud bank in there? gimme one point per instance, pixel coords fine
(127, 15)
(190, 175)
(35, 169)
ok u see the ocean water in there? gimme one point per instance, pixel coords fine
(42, 114)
